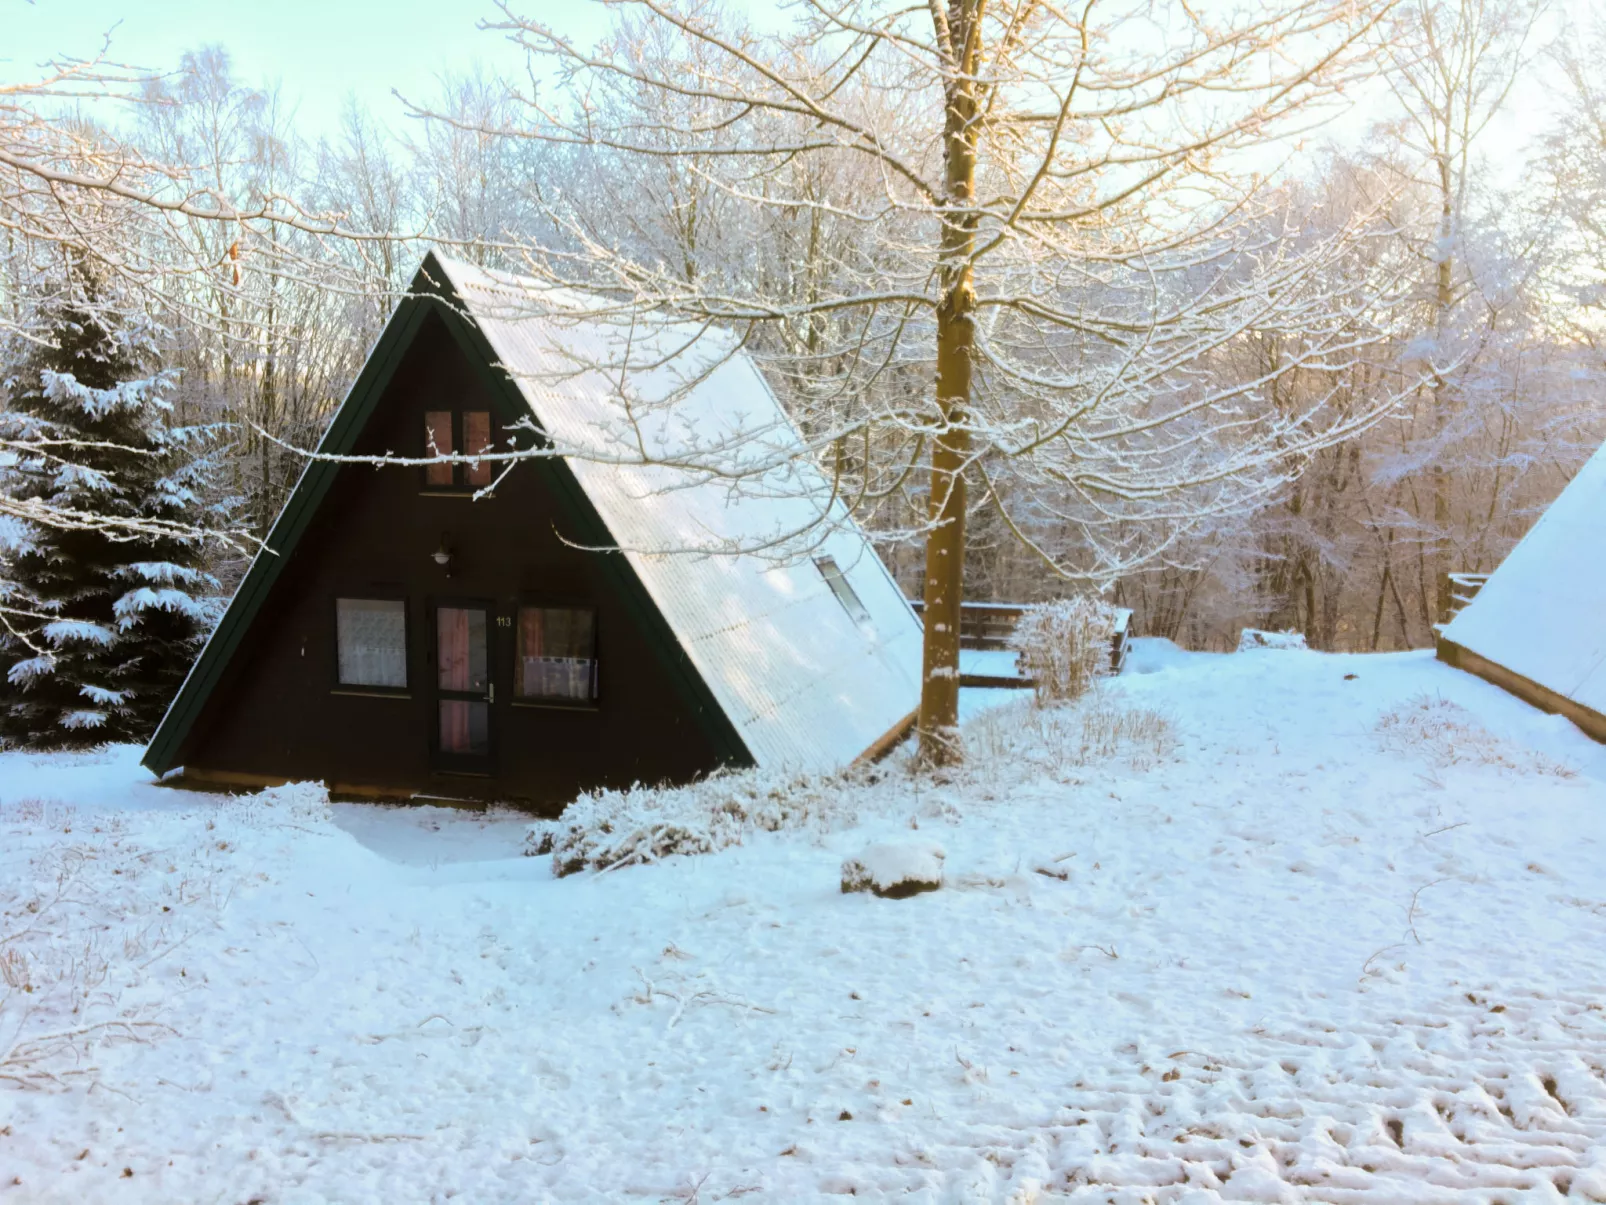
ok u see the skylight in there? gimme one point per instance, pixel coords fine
(838, 581)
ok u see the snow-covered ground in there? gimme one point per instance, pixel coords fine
(1325, 929)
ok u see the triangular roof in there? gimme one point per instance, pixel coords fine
(798, 682)
(1539, 614)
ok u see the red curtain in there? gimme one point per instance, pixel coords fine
(438, 442)
(451, 625)
(452, 629)
(455, 734)
(477, 438)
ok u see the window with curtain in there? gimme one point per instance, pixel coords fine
(371, 642)
(448, 431)
(556, 659)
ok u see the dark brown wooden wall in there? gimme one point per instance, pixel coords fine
(275, 715)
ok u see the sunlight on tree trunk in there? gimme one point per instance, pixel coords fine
(956, 339)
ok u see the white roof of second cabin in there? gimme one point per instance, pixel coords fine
(1542, 613)
(805, 684)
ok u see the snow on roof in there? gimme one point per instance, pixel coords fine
(1540, 613)
(806, 683)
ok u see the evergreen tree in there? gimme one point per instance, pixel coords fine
(105, 599)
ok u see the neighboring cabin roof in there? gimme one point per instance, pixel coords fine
(800, 681)
(1539, 613)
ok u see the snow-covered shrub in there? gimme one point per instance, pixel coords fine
(1098, 727)
(292, 803)
(1448, 735)
(1063, 646)
(895, 869)
(1110, 729)
(1256, 638)
(643, 824)
(541, 839)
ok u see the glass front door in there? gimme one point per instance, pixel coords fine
(463, 690)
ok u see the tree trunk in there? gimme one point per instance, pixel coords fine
(1382, 598)
(266, 499)
(956, 333)
(945, 547)
(1443, 298)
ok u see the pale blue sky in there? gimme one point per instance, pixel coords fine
(319, 50)
(322, 50)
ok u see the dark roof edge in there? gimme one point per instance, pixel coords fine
(431, 291)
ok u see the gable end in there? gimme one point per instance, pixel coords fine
(429, 294)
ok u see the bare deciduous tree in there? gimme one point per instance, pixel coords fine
(1018, 230)
(1454, 63)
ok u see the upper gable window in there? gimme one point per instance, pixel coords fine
(449, 431)
(843, 589)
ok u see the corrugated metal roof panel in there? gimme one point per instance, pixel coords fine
(805, 684)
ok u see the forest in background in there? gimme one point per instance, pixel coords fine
(259, 266)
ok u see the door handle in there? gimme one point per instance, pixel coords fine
(490, 692)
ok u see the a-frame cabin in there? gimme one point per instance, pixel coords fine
(401, 637)
(1531, 628)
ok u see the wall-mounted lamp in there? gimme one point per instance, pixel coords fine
(442, 556)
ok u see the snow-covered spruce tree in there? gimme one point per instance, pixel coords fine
(103, 599)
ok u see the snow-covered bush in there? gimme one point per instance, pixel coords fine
(1109, 729)
(297, 803)
(1057, 740)
(1448, 735)
(1256, 638)
(643, 824)
(1063, 646)
(617, 828)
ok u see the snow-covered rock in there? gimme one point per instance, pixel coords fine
(1156, 654)
(895, 869)
(1256, 638)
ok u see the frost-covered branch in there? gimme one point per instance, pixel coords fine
(1024, 239)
